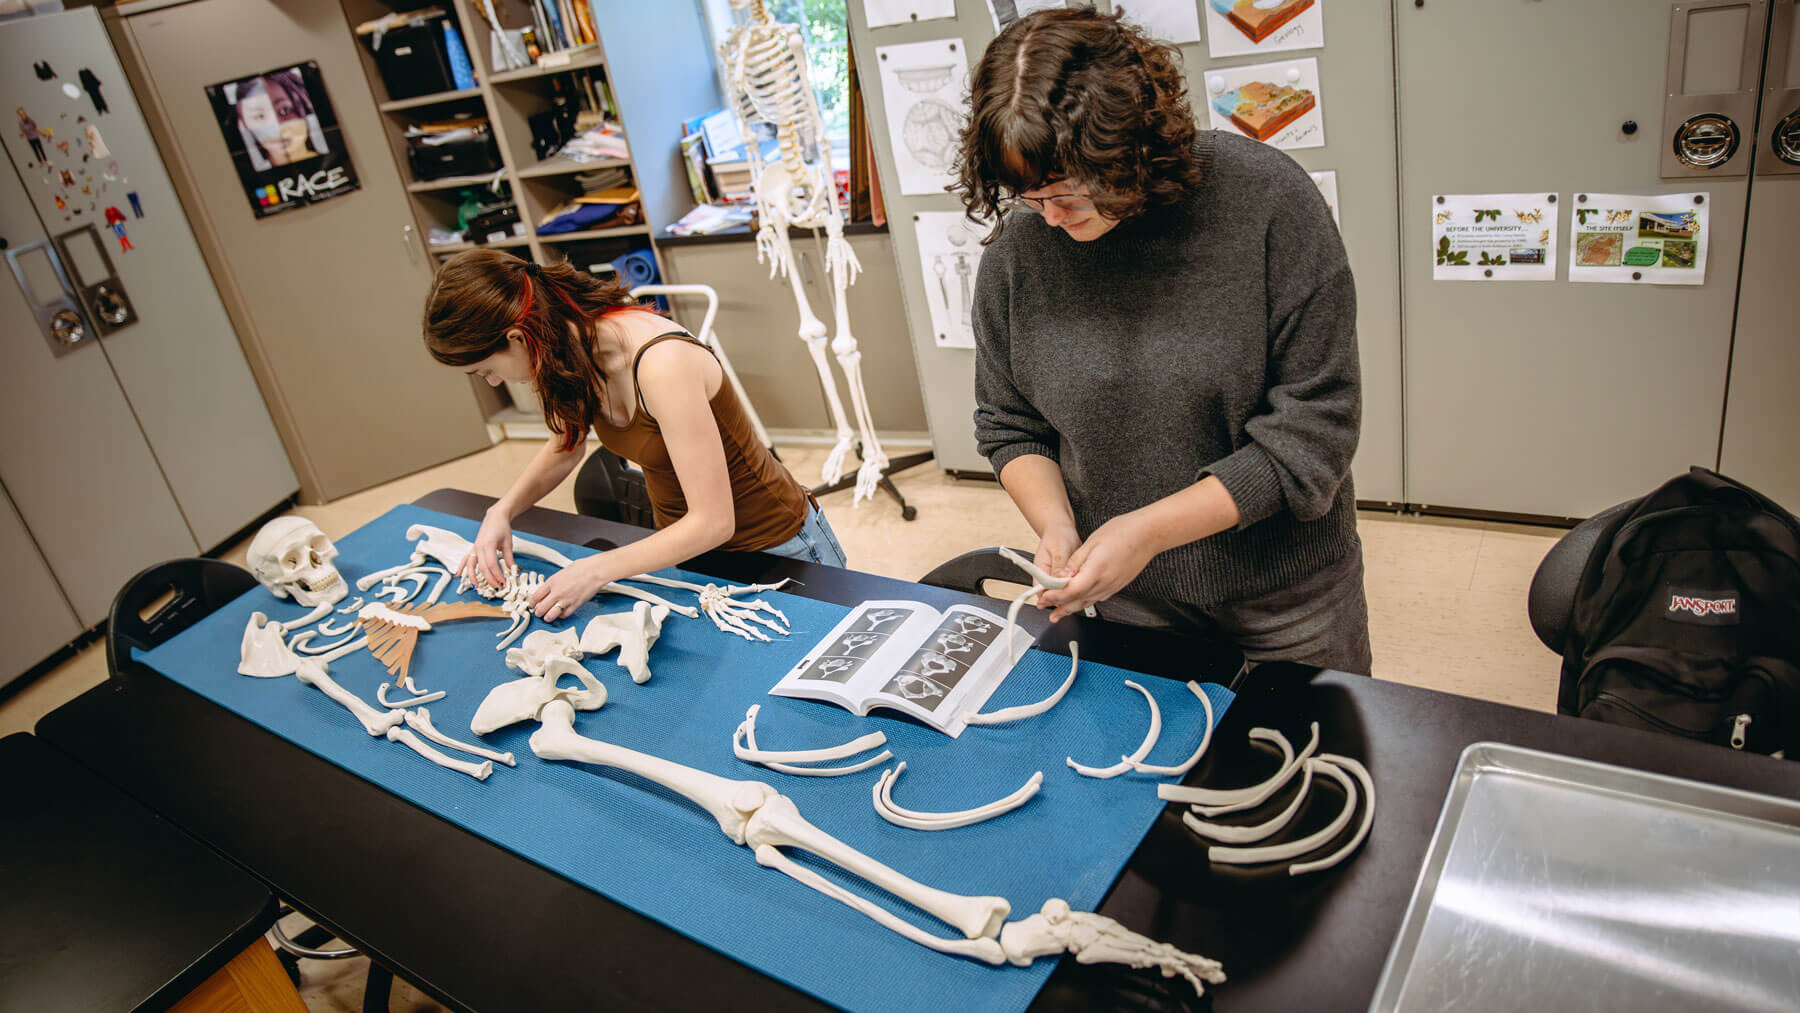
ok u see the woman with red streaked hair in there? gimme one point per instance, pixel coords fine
(654, 395)
(1166, 373)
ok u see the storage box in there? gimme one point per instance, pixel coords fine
(466, 151)
(412, 58)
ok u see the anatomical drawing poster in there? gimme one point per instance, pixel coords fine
(925, 90)
(949, 254)
(1239, 27)
(1628, 238)
(1494, 237)
(1276, 103)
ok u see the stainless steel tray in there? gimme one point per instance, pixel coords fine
(1553, 883)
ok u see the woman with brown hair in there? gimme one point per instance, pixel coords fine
(654, 395)
(1166, 368)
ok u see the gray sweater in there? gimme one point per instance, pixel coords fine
(1213, 337)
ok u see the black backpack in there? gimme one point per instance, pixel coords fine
(1686, 619)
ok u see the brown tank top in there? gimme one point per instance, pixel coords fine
(770, 505)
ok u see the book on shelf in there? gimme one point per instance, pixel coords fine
(938, 667)
(693, 157)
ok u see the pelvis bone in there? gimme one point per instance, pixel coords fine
(522, 699)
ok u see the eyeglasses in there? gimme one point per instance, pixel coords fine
(1062, 202)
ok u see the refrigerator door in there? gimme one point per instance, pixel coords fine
(106, 197)
(71, 454)
(35, 618)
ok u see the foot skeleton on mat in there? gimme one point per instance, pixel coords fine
(753, 814)
(764, 66)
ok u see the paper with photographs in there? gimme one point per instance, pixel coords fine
(1656, 239)
(1276, 103)
(1240, 27)
(925, 90)
(949, 255)
(1494, 237)
(937, 666)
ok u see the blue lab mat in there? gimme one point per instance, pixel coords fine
(658, 854)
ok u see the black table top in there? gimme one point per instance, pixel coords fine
(104, 905)
(481, 928)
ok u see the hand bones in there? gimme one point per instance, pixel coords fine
(720, 604)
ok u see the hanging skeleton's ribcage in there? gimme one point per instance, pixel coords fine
(775, 90)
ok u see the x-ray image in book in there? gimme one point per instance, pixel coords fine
(937, 666)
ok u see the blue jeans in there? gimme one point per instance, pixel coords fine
(816, 543)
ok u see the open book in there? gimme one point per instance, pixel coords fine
(938, 667)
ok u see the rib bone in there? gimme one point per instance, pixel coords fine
(1142, 750)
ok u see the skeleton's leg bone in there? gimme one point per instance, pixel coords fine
(420, 721)
(1362, 830)
(478, 771)
(730, 802)
(775, 180)
(1256, 832)
(887, 810)
(1214, 802)
(748, 730)
(1181, 769)
(1006, 714)
(779, 823)
(1300, 846)
(1142, 750)
(375, 722)
(980, 948)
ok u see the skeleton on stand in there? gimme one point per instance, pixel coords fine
(765, 69)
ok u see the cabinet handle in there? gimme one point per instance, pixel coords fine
(406, 237)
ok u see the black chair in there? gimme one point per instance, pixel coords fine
(970, 572)
(609, 488)
(1553, 586)
(194, 589)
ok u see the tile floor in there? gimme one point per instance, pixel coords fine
(1446, 599)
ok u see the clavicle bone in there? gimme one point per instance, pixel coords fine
(1031, 710)
(1142, 750)
(478, 771)
(420, 721)
(887, 810)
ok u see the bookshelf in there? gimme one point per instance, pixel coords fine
(660, 72)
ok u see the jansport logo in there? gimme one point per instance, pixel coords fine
(1703, 608)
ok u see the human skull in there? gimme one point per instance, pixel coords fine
(291, 556)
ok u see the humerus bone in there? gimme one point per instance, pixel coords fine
(1217, 802)
(1362, 830)
(1299, 846)
(376, 723)
(1181, 769)
(753, 814)
(478, 771)
(1225, 834)
(783, 761)
(1142, 750)
(633, 633)
(887, 810)
(1031, 710)
(420, 721)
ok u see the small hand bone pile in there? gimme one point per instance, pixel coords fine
(754, 815)
(1218, 802)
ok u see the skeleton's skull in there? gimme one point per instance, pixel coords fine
(291, 556)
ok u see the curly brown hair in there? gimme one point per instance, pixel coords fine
(1083, 96)
(480, 295)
